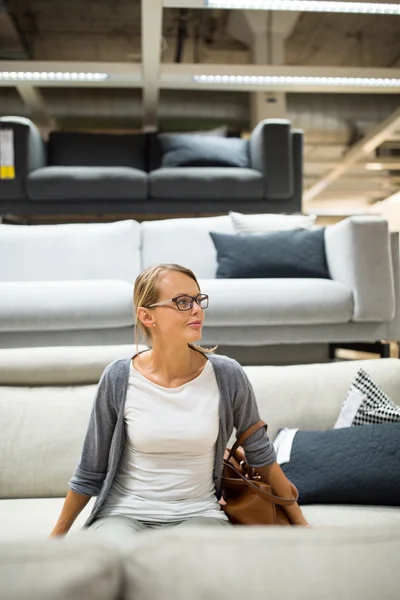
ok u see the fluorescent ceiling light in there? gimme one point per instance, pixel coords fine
(51, 76)
(308, 6)
(373, 166)
(312, 81)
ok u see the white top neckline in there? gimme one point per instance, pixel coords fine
(174, 389)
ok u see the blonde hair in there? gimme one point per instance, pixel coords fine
(146, 292)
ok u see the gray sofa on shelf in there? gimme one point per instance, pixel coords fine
(72, 285)
(85, 173)
(46, 395)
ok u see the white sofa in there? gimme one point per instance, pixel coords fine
(72, 285)
(46, 396)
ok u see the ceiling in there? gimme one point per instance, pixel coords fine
(334, 123)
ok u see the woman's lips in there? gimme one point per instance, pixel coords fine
(196, 325)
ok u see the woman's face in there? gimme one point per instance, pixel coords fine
(185, 326)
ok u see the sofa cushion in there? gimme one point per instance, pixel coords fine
(31, 257)
(80, 149)
(264, 562)
(59, 365)
(78, 569)
(155, 153)
(264, 223)
(42, 443)
(203, 151)
(351, 465)
(293, 253)
(87, 183)
(55, 305)
(366, 404)
(162, 242)
(276, 302)
(211, 183)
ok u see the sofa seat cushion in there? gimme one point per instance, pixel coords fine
(30, 518)
(87, 183)
(271, 562)
(344, 515)
(243, 302)
(57, 305)
(211, 183)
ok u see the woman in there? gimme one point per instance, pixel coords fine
(161, 421)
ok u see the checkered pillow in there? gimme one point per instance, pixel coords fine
(366, 404)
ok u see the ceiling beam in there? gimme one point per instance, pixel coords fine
(361, 149)
(34, 100)
(152, 11)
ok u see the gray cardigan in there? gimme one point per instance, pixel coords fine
(104, 441)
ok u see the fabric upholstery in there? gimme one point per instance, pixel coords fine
(247, 302)
(183, 240)
(84, 251)
(40, 569)
(61, 305)
(79, 149)
(203, 151)
(284, 254)
(87, 183)
(212, 183)
(351, 465)
(32, 518)
(155, 153)
(70, 365)
(271, 153)
(281, 563)
(264, 223)
(359, 255)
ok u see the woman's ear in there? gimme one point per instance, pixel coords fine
(145, 317)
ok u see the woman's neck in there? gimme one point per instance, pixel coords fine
(171, 364)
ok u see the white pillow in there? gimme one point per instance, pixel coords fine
(264, 223)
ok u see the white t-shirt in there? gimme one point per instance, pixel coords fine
(166, 470)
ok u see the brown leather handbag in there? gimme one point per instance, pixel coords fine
(249, 501)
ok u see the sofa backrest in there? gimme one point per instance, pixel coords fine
(74, 149)
(70, 252)
(184, 241)
(46, 395)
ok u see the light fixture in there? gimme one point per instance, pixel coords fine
(373, 8)
(288, 80)
(51, 76)
(373, 166)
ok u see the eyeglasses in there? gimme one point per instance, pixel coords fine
(185, 302)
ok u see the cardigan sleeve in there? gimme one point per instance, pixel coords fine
(92, 467)
(258, 448)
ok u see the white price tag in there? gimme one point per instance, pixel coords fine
(7, 166)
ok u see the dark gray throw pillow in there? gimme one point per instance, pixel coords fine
(183, 150)
(292, 253)
(353, 465)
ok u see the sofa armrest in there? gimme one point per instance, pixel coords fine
(271, 153)
(358, 253)
(29, 154)
(394, 326)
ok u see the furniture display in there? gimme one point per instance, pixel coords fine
(46, 395)
(195, 563)
(73, 285)
(85, 173)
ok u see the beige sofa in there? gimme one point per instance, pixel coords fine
(46, 395)
(45, 398)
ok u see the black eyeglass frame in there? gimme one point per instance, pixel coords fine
(175, 301)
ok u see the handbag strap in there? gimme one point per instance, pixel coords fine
(266, 495)
(246, 434)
